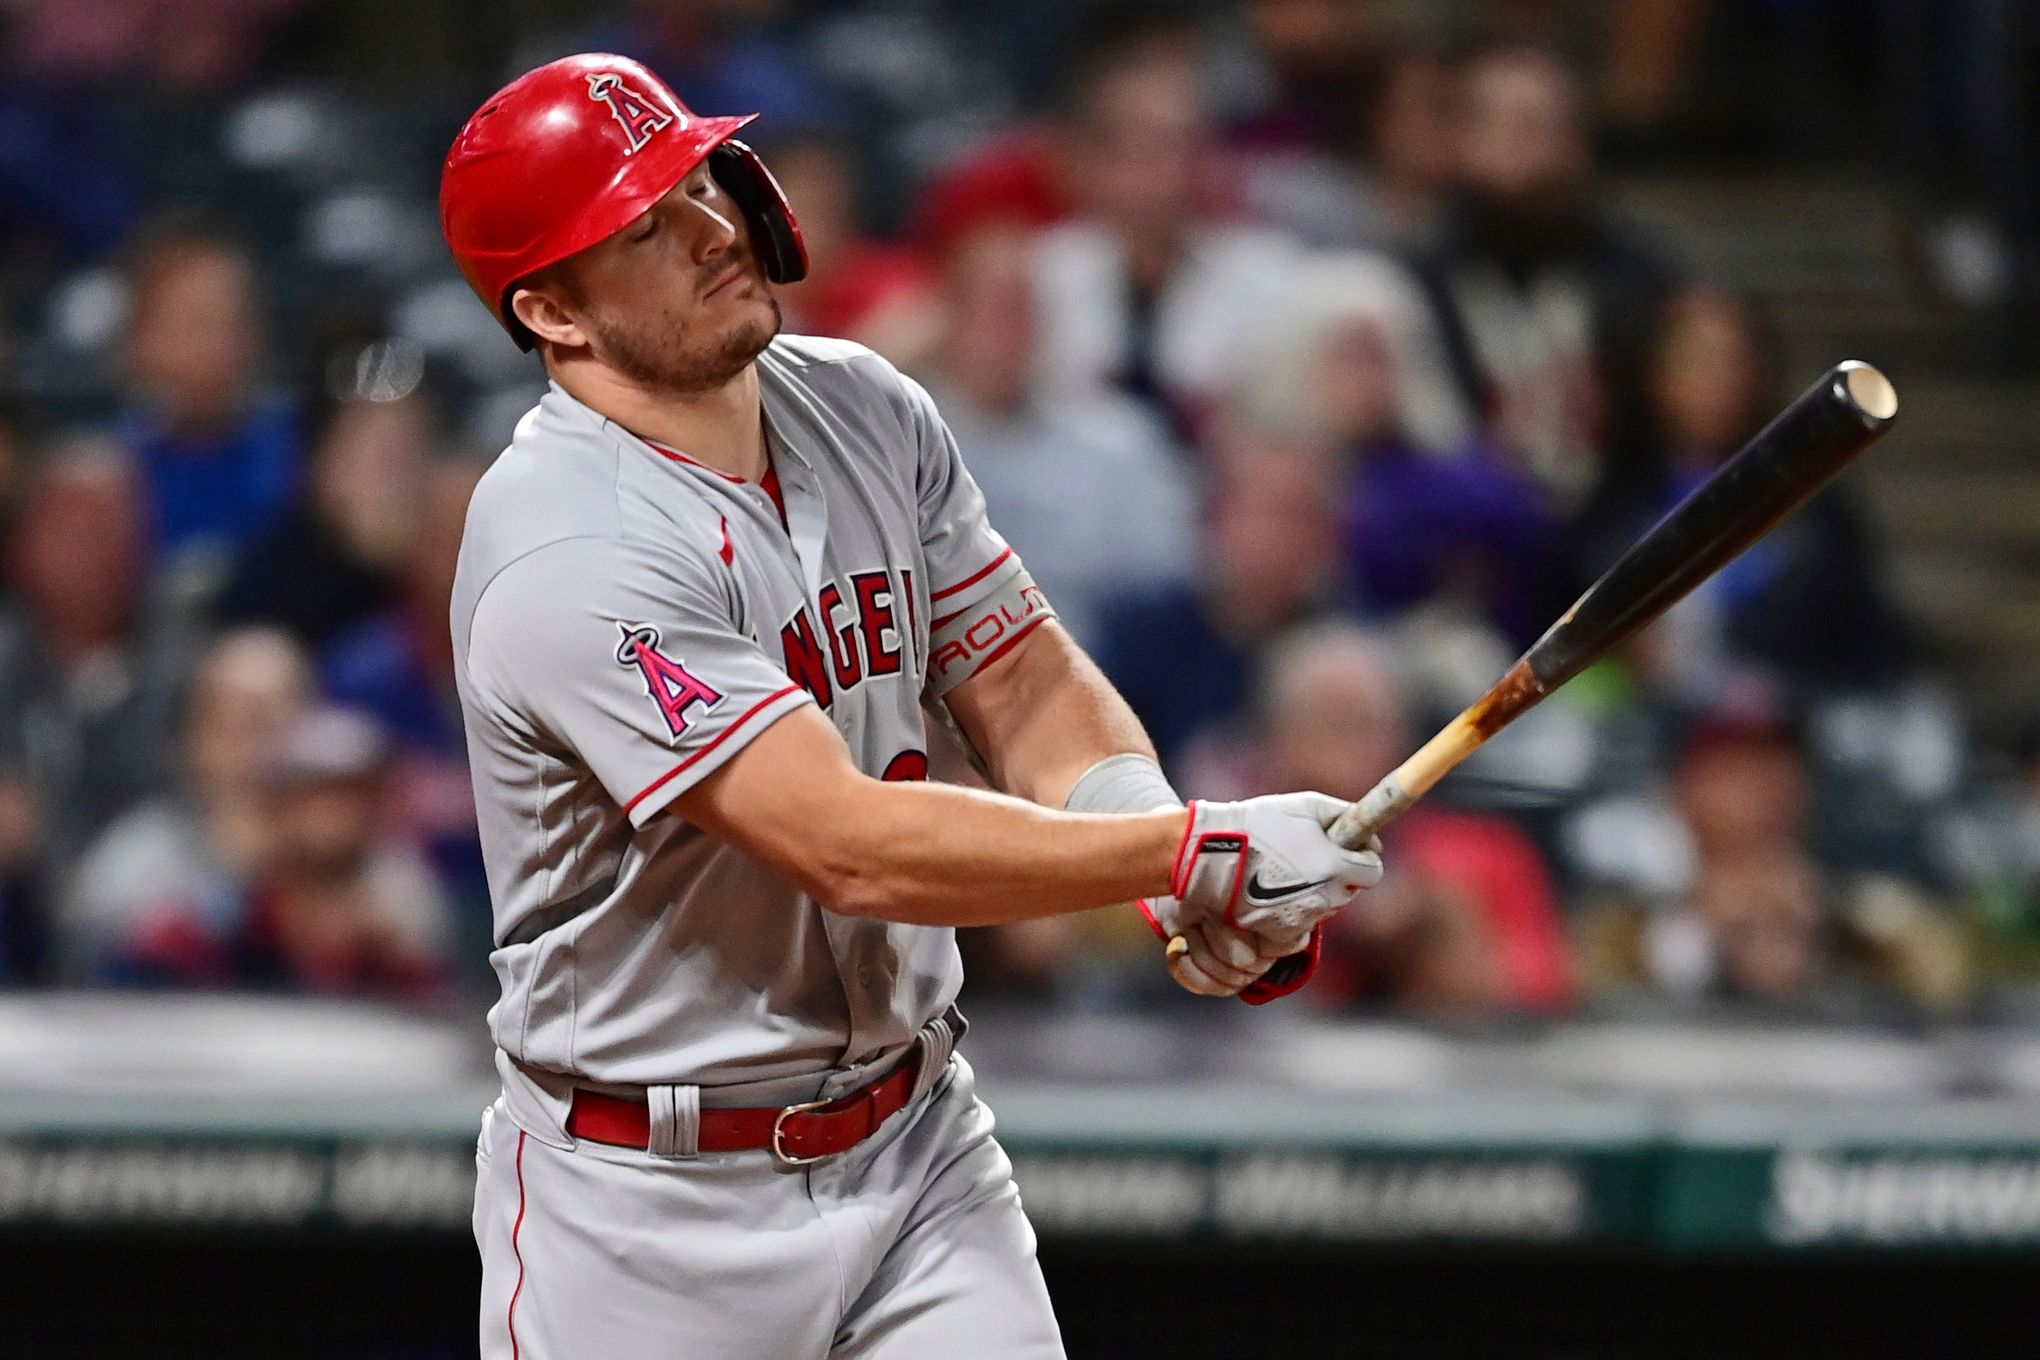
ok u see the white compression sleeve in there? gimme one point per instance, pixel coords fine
(1122, 783)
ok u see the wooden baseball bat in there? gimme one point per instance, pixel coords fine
(1810, 441)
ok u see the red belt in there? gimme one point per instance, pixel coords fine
(796, 1134)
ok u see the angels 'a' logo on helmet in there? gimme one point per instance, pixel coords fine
(668, 684)
(636, 113)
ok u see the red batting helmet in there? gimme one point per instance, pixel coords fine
(572, 152)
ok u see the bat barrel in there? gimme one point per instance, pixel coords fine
(1868, 390)
(1799, 452)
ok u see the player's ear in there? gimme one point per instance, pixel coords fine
(541, 310)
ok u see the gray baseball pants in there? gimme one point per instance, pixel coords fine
(910, 1246)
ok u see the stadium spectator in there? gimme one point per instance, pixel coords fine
(1023, 175)
(1806, 602)
(1466, 925)
(397, 667)
(219, 456)
(159, 892)
(90, 663)
(1148, 292)
(1313, 54)
(1014, 179)
(1186, 656)
(333, 557)
(1754, 920)
(1090, 487)
(878, 293)
(1407, 149)
(342, 907)
(1356, 147)
(1352, 365)
(721, 54)
(1545, 304)
(175, 44)
(1652, 51)
(1464, 527)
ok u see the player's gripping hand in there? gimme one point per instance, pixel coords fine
(1269, 865)
(1273, 949)
(1218, 959)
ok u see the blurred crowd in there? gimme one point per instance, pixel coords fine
(1297, 345)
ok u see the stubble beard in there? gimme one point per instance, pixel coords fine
(680, 360)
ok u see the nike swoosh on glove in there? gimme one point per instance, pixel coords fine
(1269, 865)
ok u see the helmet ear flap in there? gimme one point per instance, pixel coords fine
(775, 232)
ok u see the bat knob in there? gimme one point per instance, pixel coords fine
(1178, 947)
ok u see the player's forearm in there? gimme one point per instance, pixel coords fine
(933, 854)
(1043, 715)
(930, 854)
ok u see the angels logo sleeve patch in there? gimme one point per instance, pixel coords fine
(631, 661)
(668, 684)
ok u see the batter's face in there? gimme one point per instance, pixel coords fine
(676, 302)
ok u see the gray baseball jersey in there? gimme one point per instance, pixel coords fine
(625, 621)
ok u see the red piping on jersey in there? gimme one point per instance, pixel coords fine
(972, 579)
(728, 551)
(515, 1249)
(680, 457)
(721, 737)
(770, 481)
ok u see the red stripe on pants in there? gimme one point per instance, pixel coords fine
(516, 1250)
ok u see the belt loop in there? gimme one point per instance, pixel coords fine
(938, 1041)
(676, 1121)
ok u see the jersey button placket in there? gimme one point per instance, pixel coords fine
(807, 513)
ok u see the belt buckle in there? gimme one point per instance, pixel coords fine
(779, 1133)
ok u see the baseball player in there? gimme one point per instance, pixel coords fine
(709, 601)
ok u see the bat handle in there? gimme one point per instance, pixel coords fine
(1359, 823)
(1409, 781)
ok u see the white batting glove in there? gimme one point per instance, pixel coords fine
(1268, 866)
(1220, 960)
